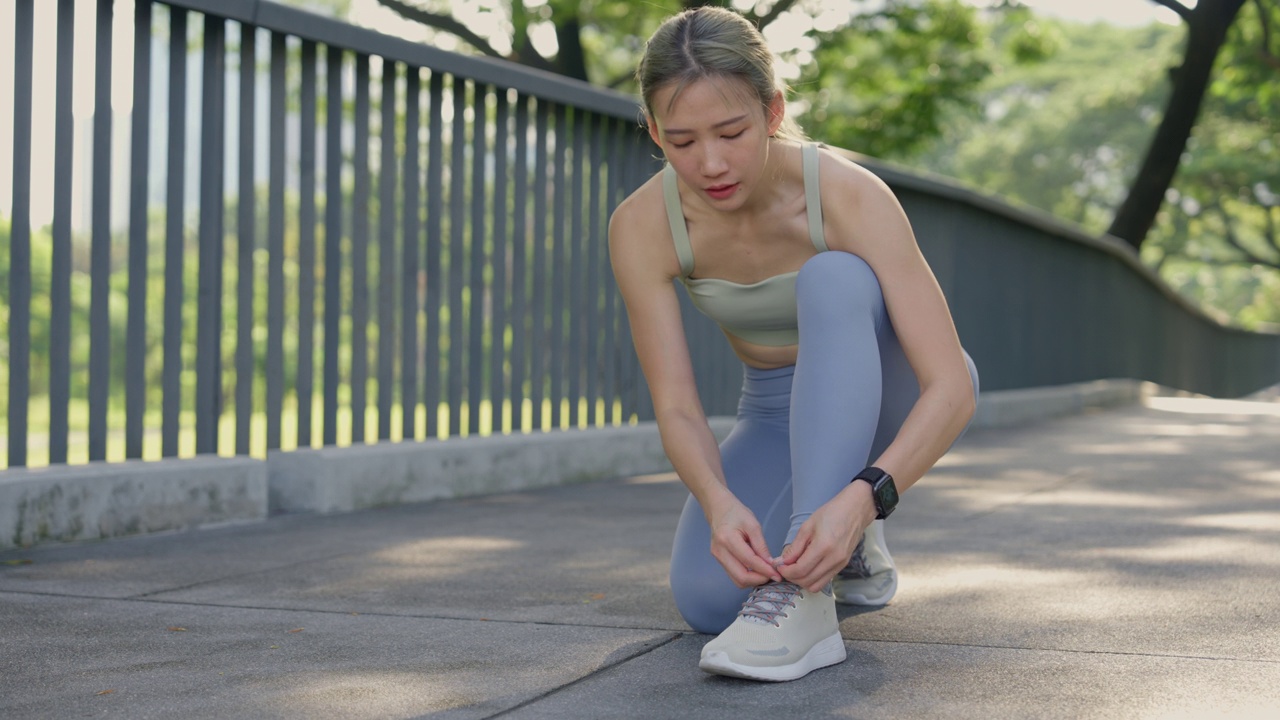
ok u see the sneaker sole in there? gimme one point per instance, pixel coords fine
(829, 651)
(864, 600)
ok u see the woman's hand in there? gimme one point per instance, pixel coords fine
(737, 542)
(827, 539)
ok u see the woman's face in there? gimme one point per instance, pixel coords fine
(716, 136)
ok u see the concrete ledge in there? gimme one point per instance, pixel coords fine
(1008, 408)
(343, 479)
(102, 500)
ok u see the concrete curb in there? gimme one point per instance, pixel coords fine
(103, 500)
(1009, 408)
(352, 478)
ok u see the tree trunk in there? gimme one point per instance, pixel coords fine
(1207, 28)
(571, 60)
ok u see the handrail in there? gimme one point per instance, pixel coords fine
(318, 28)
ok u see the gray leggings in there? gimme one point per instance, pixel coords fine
(818, 421)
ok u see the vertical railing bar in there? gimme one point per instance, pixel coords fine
(175, 233)
(409, 258)
(60, 282)
(475, 314)
(644, 167)
(246, 237)
(360, 254)
(304, 382)
(630, 383)
(139, 149)
(593, 308)
(559, 240)
(457, 229)
(498, 290)
(609, 289)
(209, 312)
(332, 238)
(100, 240)
(20, 237)
(275, 244)
(576, 312)
(435, 252)
(613, 343)
(538, 317)
(519, 267)
(386, 249)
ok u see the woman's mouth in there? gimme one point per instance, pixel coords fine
(720, 192)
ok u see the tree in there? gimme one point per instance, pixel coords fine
(1064, 135)
(1061, 135)
(873, 75)
(1207, 24)
(885, 83)
(574, 22)
(1218, 239)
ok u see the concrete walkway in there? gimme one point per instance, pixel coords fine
(1120, 564)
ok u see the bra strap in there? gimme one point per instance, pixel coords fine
(812, 196)
(675, 216)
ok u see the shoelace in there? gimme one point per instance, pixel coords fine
(767, 602)
(858, 566)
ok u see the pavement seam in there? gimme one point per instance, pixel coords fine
(641, 653)
(1071, 651)
(324, 611)
(249, 573)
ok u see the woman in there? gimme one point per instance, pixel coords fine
(855, 382)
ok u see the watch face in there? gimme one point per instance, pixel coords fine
(887, 493)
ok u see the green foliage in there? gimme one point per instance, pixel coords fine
(882, 84)
(881, 81)
(1218, 239)
(1063, 135)
(1066, 136)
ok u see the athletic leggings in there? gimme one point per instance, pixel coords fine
(818, 421)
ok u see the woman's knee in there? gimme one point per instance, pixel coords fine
(837, 279)
(706, 600)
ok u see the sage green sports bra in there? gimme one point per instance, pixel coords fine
(764, 312)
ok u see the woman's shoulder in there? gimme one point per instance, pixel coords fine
(841, 173)
(857, 206)
(639, 231)
(641, 204)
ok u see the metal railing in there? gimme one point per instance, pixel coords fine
(1038, 302)
(409, 240)
(333, 236)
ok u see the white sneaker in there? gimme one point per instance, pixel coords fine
(782, 633)
(870, 578)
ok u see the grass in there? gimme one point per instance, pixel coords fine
(489, 424)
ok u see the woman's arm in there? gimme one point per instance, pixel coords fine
(864, 218)
(645, 268)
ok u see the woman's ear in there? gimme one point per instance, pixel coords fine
(777, 111)
(652, 126)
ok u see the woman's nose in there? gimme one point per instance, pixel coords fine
(713, 163)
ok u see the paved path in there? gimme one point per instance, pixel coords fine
(1123, 564)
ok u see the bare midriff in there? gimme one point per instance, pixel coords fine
(764, 357)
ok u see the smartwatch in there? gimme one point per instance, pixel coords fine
(883, 492)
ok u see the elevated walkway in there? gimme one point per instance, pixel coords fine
(1114, 563)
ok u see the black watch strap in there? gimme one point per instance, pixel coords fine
(883, 491)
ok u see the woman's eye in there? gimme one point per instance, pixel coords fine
(682, 145)
(737, 134)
